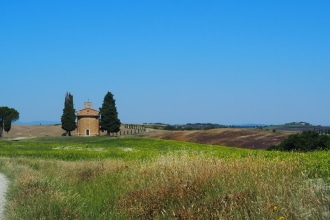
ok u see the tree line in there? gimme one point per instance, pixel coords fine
(109, 120)
(304, 141)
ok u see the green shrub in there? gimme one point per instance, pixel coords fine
(305, 141)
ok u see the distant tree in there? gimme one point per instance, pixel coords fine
(68, 118)
(109, 120)
(7, 116)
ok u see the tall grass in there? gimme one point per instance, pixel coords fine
(173, 182)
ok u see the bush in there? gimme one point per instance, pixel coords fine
(305, 141)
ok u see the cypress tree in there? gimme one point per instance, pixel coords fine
(68, 118)
(109, 120)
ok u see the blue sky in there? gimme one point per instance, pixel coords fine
(226, 62)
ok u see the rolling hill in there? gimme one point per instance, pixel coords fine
(234, 137)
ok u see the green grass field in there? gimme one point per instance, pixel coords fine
(141, 178)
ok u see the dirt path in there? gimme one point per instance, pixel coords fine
(3, 190)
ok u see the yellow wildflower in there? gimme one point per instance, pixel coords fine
(273, 207)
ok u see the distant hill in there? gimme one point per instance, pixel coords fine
(42, 122)
(249, 125)
(21, 130)
(301, 126)
(235, 137)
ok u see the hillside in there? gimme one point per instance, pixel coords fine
(34, 131)
(234, 137)
(39, 131)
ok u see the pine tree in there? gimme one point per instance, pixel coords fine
(109, 116)
(68, 118)
(7, 116)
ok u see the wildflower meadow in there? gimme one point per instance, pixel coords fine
(143, 178)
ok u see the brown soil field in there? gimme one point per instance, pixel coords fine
(233, 137)
(34, 131)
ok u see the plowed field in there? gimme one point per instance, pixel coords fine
(243, 138)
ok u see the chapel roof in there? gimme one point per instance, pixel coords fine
(88, 112)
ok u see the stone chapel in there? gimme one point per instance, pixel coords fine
(88, 121)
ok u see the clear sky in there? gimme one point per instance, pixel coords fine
(169, 61)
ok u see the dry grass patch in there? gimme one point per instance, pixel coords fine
(197, 187)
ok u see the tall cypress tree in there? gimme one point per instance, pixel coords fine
(109, 120)
(68, 118)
